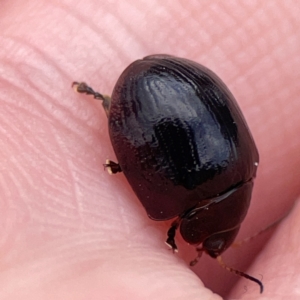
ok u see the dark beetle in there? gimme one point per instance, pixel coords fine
(185, 149)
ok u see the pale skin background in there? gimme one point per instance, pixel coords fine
(68, 230)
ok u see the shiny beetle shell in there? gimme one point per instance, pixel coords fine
(182, 142)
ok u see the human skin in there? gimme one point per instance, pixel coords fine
(68, 229)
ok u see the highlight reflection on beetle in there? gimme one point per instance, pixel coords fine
(194, 157)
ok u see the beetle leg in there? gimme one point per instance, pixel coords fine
(112, 167)
(194, 261)
(83, 88)
(171, 235)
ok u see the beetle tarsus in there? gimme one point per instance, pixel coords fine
(171, 235)
(83, 88)
(195, 261)
(112, 167)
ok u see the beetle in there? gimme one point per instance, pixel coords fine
(185, 148)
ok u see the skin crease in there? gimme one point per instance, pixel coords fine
(68, 229)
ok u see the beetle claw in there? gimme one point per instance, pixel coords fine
(171, 243)
(112, 167)
(83, 88)
(195, 261)
(171, 235)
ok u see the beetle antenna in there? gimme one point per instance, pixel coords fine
(240, 273)
(268, 227)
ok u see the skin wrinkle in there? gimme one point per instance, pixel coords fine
(41, 54)
(36, 89)
(84, 19)
(75, 190)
